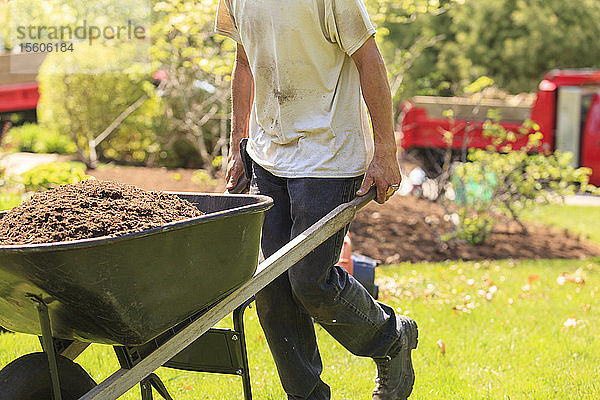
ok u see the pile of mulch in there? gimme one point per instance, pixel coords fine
(407, 229)
(90, 209)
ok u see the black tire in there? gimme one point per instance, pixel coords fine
(28, 378)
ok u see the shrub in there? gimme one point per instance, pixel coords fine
(476, 228)
(48, 176)
(82, 105)
(508, 181)
(36, 139)
(203, 179)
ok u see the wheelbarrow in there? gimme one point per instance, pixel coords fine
(154, 295)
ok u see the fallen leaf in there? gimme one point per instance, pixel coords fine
(571, 322)
(533, 278)
(586, 307)
(442, 346)
(578, 277)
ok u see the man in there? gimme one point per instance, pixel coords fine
(301, 72)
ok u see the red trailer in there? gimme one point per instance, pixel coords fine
(18, 91)
(567, 109)
(19, 97)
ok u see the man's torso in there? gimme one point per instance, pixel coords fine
(308, 118)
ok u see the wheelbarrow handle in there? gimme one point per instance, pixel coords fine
(361, 201)
(240, 187)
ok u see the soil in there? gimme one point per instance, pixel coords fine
(90, 209)
(397, 231)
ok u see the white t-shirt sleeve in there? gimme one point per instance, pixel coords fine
(225, 22)
(348, 24)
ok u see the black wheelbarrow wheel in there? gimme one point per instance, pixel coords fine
(28, 378)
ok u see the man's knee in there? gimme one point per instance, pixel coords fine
(318, 295)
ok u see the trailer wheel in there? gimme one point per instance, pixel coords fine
(28, 378)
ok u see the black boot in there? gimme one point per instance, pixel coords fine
(396, 376)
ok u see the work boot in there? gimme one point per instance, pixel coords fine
(395, 376)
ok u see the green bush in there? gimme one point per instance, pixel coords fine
(502, 181)
(203, 179)
(475, 229)
(82, 105)
(48, 176)
(36, 139)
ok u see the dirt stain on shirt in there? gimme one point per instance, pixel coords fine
(285, 95)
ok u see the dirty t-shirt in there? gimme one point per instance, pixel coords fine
(309, 118)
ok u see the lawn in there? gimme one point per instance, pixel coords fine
(584, 220)
(488, 330)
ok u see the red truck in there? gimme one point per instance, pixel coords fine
(18, 92)
(566, 107)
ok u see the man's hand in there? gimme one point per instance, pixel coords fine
(383, 172)
(235, 169)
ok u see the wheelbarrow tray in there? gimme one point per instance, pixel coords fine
(129, 289)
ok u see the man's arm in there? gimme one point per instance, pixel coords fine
(383, 170)
(242, 96)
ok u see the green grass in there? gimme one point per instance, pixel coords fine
(9, 200)
(512, 346)
(584, 220)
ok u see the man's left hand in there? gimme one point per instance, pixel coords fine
(384, 172)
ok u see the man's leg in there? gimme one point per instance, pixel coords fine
(289, 330)
(329, 294)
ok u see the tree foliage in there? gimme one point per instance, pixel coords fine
(515, 41)
(198, 65)
(82, 105)
(512, 41)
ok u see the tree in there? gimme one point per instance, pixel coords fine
(515, 41)
(512, 41)
(198, 65)
(84, 106)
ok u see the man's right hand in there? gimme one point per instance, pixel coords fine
(235, 169)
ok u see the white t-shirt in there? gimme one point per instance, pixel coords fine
(309, 118)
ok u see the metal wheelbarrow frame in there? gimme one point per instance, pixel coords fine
(194, 335)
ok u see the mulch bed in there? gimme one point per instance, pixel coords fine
(397, 231)
(90, 209)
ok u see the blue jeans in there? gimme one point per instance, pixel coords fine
(314, 289)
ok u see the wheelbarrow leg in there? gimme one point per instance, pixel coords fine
(238, 326)
(153, 381)
(48, 343)
(146, 389)
(159, 386)
(146, 385)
